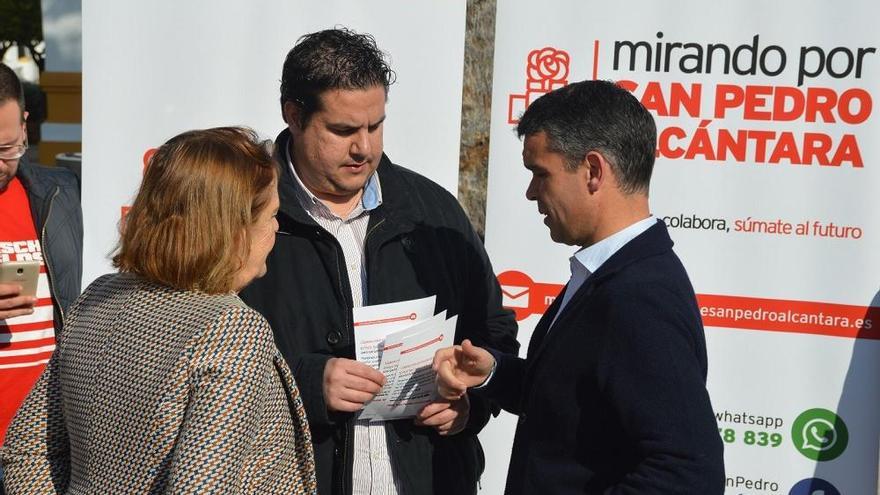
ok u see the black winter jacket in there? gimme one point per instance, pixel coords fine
(418, 243)
(55, 208)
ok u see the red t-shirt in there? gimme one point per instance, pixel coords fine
(26, 342)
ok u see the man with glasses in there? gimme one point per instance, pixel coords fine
(40, 220)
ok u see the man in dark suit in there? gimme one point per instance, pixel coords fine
(611, 397)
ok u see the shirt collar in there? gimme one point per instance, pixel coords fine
(370, 199)
(592, 257)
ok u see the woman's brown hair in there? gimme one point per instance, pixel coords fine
(187, 227)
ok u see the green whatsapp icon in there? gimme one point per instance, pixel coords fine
(819, 434)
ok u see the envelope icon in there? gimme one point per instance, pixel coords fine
(514, 296)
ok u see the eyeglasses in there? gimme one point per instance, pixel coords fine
(14, 151)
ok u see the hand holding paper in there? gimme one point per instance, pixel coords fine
(348, 384)
(406, 362)
(448, 417)
(400, 339)
(461, 367)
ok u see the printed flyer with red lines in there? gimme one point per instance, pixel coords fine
(400, 339)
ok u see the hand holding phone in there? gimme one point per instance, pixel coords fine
(18, 288)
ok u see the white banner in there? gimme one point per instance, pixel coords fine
(767, 173)
(154, 69)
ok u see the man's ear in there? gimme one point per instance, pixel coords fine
(292, 114)
(598, 170)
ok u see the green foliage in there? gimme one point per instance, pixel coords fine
(21, 21)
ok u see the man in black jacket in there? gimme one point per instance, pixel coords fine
(357, 230)
(611, 397)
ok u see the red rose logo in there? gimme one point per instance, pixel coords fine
(548, 64)
(546, 70)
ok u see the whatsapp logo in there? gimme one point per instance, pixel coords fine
(819, 434)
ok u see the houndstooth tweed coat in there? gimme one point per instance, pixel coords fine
(156, 390)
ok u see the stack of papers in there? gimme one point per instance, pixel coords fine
(400, 339)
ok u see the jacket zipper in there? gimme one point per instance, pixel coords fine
(349, 427)
(55, 300)
(367, 235)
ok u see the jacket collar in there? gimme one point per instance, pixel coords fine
(38, 191)
(27, 174)
(651, 242)
(397, 206)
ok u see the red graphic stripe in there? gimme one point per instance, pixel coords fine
(595, 60)
(26, 344)
(781, 315)
(27, 358)
(439, 338)
(24, 327)
(735, 312)
(411, 316)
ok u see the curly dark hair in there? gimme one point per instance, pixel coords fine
(331, 59)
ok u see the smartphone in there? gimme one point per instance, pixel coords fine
(23, 273)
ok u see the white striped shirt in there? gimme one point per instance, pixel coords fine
(372, 472)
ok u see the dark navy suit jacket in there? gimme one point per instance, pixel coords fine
(613, 399)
